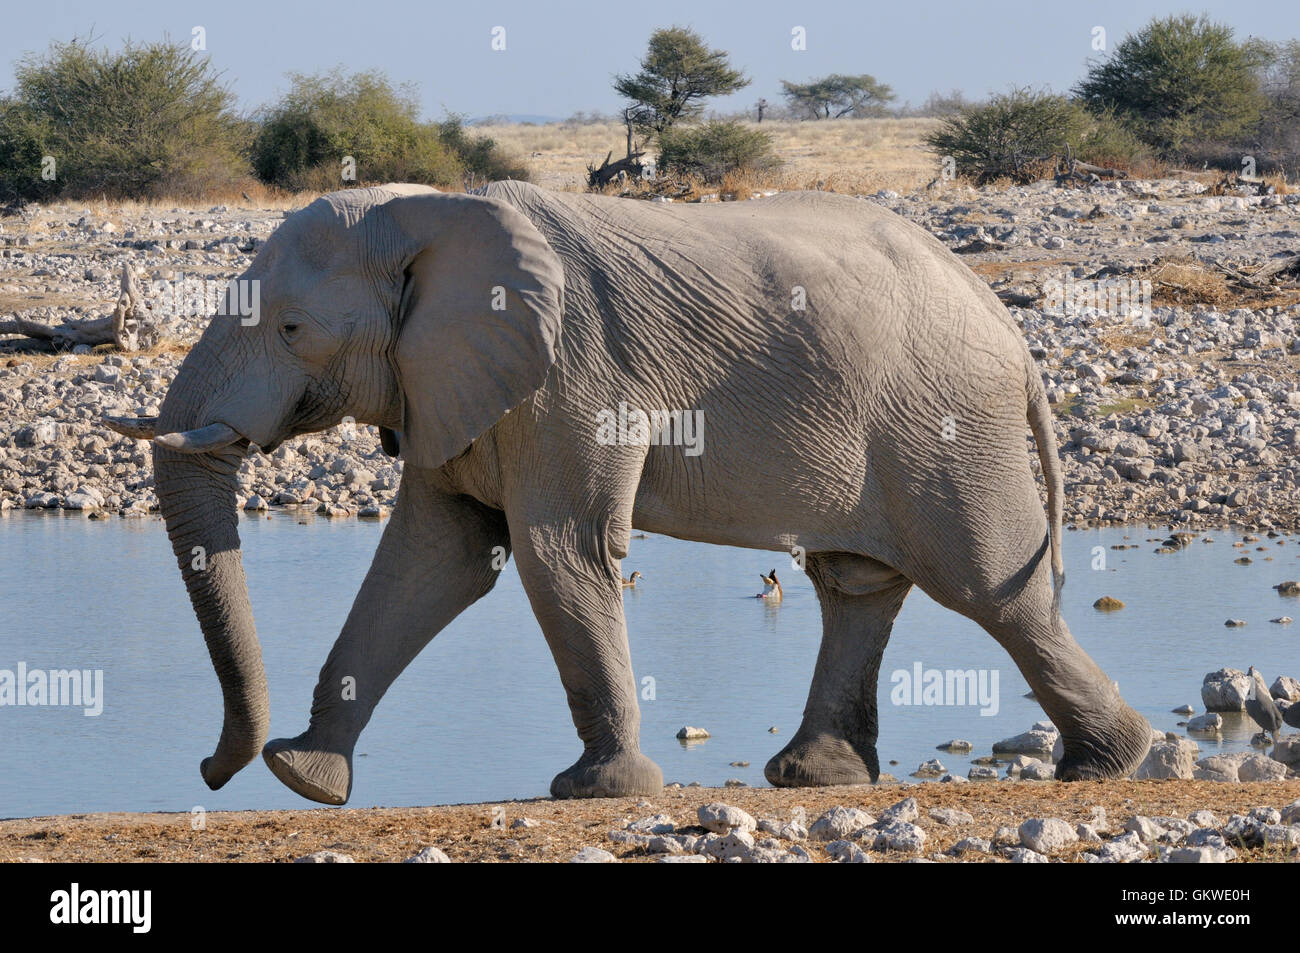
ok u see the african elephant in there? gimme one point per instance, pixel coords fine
(852, 372)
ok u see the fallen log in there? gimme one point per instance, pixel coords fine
(131, 326)
(1280, 267)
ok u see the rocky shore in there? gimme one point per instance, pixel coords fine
(1178, 405)
(997, 822)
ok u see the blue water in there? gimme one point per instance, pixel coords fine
(481, 714)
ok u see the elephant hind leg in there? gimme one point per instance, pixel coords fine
(1102, 736)
(836, 742)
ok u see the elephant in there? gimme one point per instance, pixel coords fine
(853, 374)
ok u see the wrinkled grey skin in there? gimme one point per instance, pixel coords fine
(883, 425)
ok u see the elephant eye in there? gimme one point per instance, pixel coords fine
(289, 329)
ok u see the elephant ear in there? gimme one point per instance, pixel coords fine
(479, 319)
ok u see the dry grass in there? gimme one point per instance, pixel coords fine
(41, 360)
(1185, 282)
(260, 197)
(843, 155)
(1117, 339)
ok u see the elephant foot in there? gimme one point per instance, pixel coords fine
(821, 760)
(1114, 751)
(624, 774)
(324, 776)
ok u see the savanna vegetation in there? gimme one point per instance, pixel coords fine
(156, 119)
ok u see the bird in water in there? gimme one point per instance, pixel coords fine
(1261, 707)
(630, 583)
(772, 589)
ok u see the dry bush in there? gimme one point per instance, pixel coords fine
(1184, 282)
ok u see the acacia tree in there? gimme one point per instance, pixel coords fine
(678, 72)
(1179, 80)
(838, 95)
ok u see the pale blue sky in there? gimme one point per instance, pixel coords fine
(561, 55)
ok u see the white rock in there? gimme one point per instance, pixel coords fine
(429, 855)
(1034, 742)
(839, 823)
(1258, 767)
(1197, 855)
(1284, 686)
(593, 855)
(1169, 759)
(898, 836)
(1038, 771)
(1125, 849)
(1225, 690)
(659, 824)
(847, 852)
(929, 769)
(905, 810)
(722, 818)
(738, 843)
(325, 857)
(1047, 835)
(1219, 767)
(1023, 855)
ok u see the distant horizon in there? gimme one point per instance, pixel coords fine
(557, 62)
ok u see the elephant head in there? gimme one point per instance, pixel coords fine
(430, 315)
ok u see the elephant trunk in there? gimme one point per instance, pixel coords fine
(196, 493)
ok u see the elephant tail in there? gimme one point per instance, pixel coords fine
(1040, 422)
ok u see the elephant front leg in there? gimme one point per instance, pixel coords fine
(439, 554)
(575, 592)
(836, 741)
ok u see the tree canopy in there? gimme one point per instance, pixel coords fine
(837, 95)
(678, 72)
(1180, 80)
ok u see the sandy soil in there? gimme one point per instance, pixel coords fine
(466, 832)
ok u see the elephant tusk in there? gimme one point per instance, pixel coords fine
(141, 428)
(203, 440)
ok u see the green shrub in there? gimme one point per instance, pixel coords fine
(303, 141)
(1106, 141)
(1010, 135)
(1278, 142)
(23, 146)
(715, 148)
(480, 156)
(149, 120)
(1179, 80)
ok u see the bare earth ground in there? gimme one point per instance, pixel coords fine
(465, 832)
